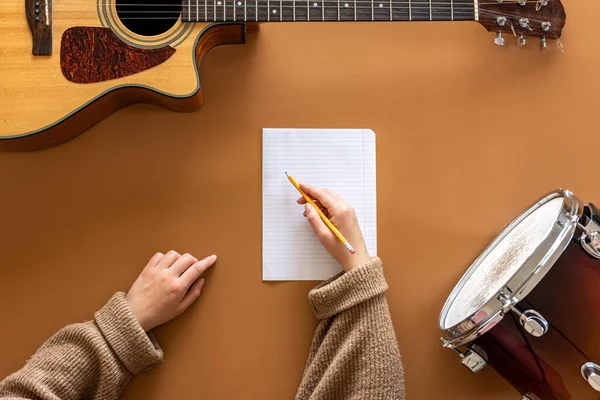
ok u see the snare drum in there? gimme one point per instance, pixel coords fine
(529, 306)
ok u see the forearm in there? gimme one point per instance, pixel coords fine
(92, 360)
(354, 354)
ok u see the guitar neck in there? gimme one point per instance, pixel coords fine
(330, 10)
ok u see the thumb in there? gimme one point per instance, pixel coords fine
(319, 227)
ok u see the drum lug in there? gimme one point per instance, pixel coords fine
(591, 373)
(533, 322)
(473, 358)
(589, 227)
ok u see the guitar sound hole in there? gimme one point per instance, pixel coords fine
(149, 17)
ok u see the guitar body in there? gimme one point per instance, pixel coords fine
(97, 66)
(67, 64)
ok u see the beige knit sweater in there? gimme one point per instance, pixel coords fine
(354, 354)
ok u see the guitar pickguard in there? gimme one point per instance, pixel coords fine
(91, 55)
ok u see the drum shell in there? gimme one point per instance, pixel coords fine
(549, 367)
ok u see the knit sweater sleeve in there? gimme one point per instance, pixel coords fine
(354, 353)
(92, 360)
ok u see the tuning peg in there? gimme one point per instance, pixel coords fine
(543, 44)
(522, 41)
(499, 40)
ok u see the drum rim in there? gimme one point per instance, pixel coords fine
(525, 279)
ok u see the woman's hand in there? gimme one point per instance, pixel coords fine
(167, 286)
(342, 215)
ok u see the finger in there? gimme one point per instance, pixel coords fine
(324, 196)
(155, 260)
(168, 259)
(323, 210)
(317, 202)
(317, 224)
(192, 294)
(194, 272)
(183, 263)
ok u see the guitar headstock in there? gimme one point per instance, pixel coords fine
(544, 19)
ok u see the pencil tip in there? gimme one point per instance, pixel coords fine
(286, 173)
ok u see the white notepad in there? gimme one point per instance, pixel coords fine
(339, 159)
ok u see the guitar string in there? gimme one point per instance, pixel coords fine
(408, 5)
(427, 3)
(464, 14)
(342, 2)
(423, 11)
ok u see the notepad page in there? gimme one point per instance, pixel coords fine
(342, 160)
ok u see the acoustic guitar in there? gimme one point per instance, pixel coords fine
(67, 64)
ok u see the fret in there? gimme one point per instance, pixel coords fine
(197, 11)
(363, 10)
(185, 13)
(330, 10)
(287, 10)
(347, 10)
(327, 10)
(381, 11)
(263, 10)
(315, 11)
(400, 11)
(441, 10)
(430, 11)
(301, 10)
(239, 10)
(322, 10)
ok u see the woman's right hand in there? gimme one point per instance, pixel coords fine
(343, 217)
(167, 286)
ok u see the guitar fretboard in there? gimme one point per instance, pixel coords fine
(336, 10)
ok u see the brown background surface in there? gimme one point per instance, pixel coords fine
(467, 136)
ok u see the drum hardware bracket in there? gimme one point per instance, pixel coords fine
(591, 373)
(532, 321)
(472, 358)
(529, 396)
(590, 238)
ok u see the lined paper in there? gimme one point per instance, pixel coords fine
(342, 160)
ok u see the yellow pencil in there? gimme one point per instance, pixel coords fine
(323, 217)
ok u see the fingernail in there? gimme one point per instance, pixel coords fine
(202, 280)
(307, 207)
(213, 258)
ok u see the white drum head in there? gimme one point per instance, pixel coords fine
(490, 274)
